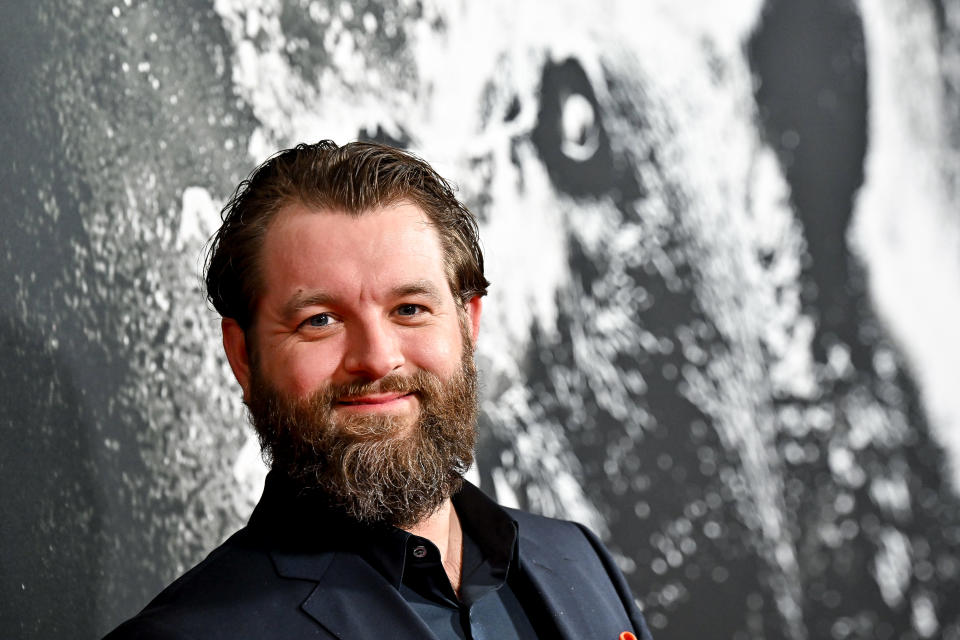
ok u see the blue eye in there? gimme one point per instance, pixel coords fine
(319, 320)
(409, 309)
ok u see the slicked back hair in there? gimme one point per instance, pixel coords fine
(355, 178)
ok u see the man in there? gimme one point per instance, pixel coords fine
(350, 282)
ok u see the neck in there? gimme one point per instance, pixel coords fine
(442, 528)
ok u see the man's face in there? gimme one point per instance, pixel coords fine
(360, 370)
(354, 299)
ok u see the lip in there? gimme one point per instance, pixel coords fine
(374, 401)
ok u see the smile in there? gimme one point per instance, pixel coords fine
(374, 401)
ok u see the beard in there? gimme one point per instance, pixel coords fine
(376, 469)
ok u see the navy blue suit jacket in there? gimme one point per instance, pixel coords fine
(292, 573)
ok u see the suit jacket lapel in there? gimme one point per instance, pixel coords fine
(352, 600)
(568, 592)
(558, 598)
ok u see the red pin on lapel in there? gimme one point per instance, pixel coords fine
(626, 635)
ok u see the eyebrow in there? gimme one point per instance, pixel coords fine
(418, 288)
(303, 299)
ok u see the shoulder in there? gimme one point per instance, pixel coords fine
(567, 545)
(555, 531)
(232, 568)
(227, 595)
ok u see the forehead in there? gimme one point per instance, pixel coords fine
(306, 247)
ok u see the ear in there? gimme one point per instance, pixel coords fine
(235, 346)
(473, 307)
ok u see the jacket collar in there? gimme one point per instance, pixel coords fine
(348, 593)
(309, 541)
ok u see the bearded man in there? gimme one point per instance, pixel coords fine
(350, 282)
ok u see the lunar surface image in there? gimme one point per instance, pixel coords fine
(724, 246)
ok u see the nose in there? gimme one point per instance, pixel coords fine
(373, 350)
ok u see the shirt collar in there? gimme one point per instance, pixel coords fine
(492, 532)
(304, 521)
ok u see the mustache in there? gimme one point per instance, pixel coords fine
(333, 393)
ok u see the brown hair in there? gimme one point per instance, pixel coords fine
(354, 179)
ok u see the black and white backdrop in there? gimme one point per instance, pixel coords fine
(724, 241)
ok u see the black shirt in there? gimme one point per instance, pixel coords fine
(496, 600)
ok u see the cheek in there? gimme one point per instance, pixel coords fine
(439, 354)
(305, 369)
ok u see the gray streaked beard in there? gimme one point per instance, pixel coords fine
(373, 468)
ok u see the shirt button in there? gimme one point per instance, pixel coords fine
(420, 551)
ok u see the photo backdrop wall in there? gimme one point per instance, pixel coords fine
(724, 241)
